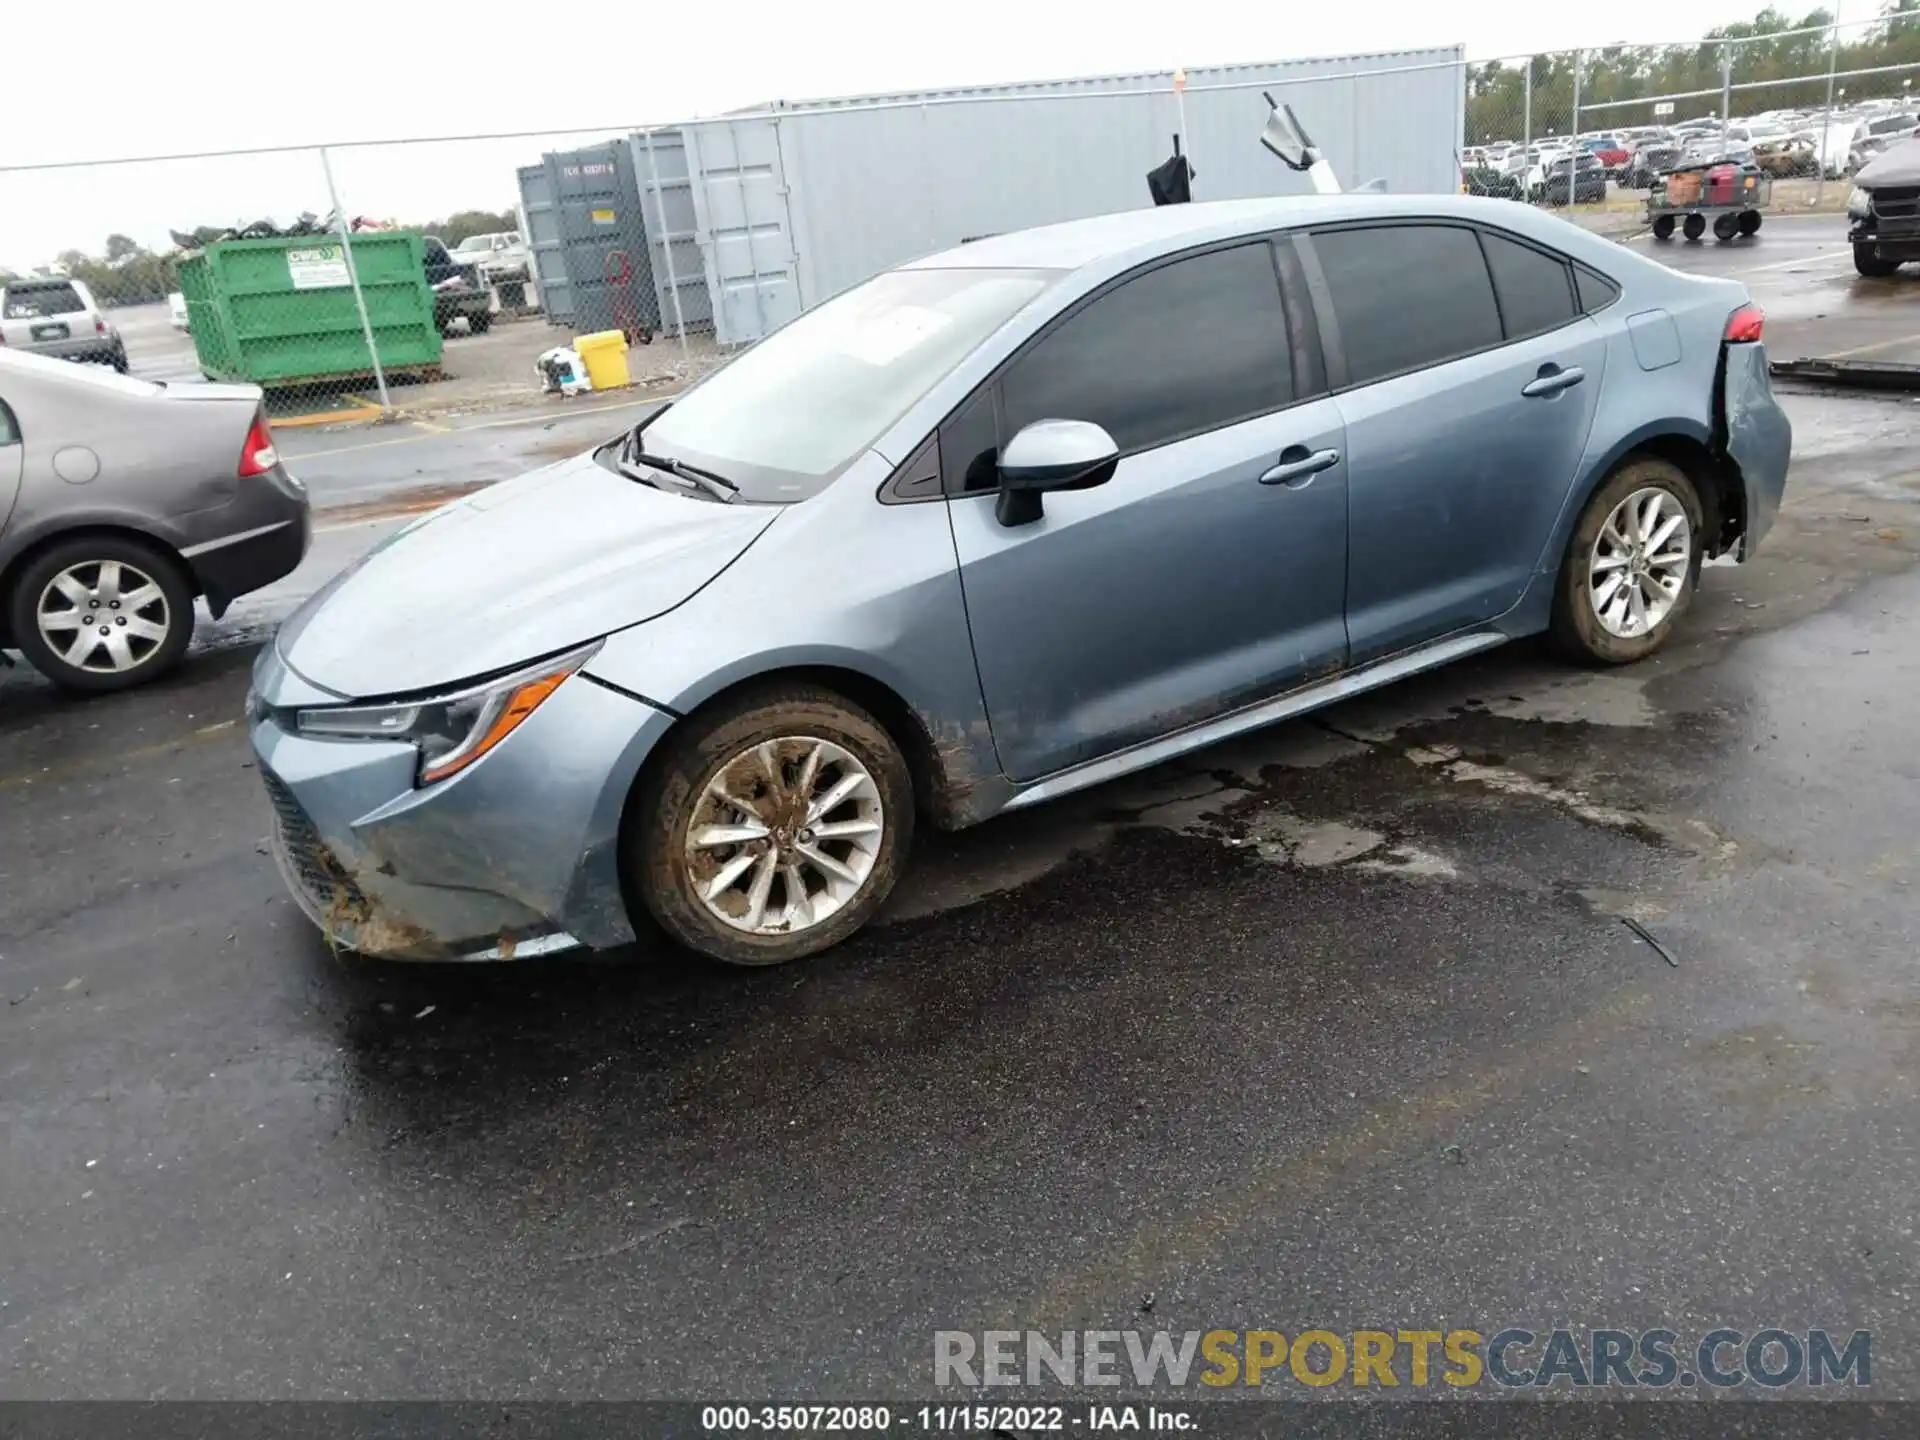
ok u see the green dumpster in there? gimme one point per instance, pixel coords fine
(279, 312)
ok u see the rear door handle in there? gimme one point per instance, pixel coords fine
(1297, 466)
(1552, 380)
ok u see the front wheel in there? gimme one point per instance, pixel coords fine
(101, 613)
(1749, 222)
(773, 828)
(1631, 566)
(1868, 260)
(1663, 227)
(1694, 226)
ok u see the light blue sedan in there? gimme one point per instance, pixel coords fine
(992, 527)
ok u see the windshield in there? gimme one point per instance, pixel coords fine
(796, 409)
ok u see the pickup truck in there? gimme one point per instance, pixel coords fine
(457, 289)
(1884, 210)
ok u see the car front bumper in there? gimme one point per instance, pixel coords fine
(1892, 239)
(516, 855)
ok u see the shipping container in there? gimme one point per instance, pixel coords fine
(792, 203)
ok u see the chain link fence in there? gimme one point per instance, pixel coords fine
(434, 277)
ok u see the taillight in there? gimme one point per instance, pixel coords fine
(99, 325)
(258, 456)
(1744, 325)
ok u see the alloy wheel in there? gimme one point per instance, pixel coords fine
(784, 835)
(103, 616)
(1640, 563)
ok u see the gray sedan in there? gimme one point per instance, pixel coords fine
(121, 501)
(993, 527)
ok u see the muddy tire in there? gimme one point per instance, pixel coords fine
(1631, 567)
(101, 612)
(1868, 260)
(773, 827)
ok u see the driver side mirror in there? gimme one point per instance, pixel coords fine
(1051, 455)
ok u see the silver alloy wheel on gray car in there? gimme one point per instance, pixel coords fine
(1640, 562)
(106, 617)
(784, 835)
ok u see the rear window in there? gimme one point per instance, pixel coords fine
(1596, 291)
(1532, 285)
(31, 302)
(1407, 296)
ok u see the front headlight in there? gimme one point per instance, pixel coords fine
(451, 731)
(1859, 204)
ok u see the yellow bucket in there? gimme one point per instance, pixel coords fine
(605, 356)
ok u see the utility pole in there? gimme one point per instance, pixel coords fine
(1573, 160)
(1826, 119)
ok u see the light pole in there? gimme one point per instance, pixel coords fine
(1826, 122)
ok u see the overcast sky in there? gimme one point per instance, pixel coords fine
(143, 79)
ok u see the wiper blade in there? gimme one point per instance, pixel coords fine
(717, 486)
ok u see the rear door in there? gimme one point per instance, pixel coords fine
(1466, 414)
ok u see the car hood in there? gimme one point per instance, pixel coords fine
(1898, 164)
(521, 569)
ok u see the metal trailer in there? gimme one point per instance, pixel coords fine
(1732, 219)
(793, 202)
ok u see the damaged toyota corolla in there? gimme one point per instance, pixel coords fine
(992, 527)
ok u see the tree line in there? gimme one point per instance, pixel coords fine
(1796, 64)
(127, 273)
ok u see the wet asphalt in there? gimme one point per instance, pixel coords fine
(1340, 1025)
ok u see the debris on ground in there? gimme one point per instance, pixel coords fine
(1647, 935)
(633, 1242)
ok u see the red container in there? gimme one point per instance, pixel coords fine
(1723, 185)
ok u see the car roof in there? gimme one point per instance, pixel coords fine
(1133, 236)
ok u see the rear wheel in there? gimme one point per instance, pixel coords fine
(773, 828)
(1725, 227)
(1749, 222)
(1868, 260)
(1694, 227)
(1663, 227)
(101, 613)
(1631, 565)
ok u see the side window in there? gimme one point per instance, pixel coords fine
(9, 432)
(1407, 296)
(1531, 285)
(1596, 290)
(1188, 346)
(969, 450)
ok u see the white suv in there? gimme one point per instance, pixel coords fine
(58, 317)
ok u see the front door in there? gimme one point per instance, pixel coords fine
(1210, 571)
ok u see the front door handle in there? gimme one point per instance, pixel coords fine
(1298, 466)
(1552, 380)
